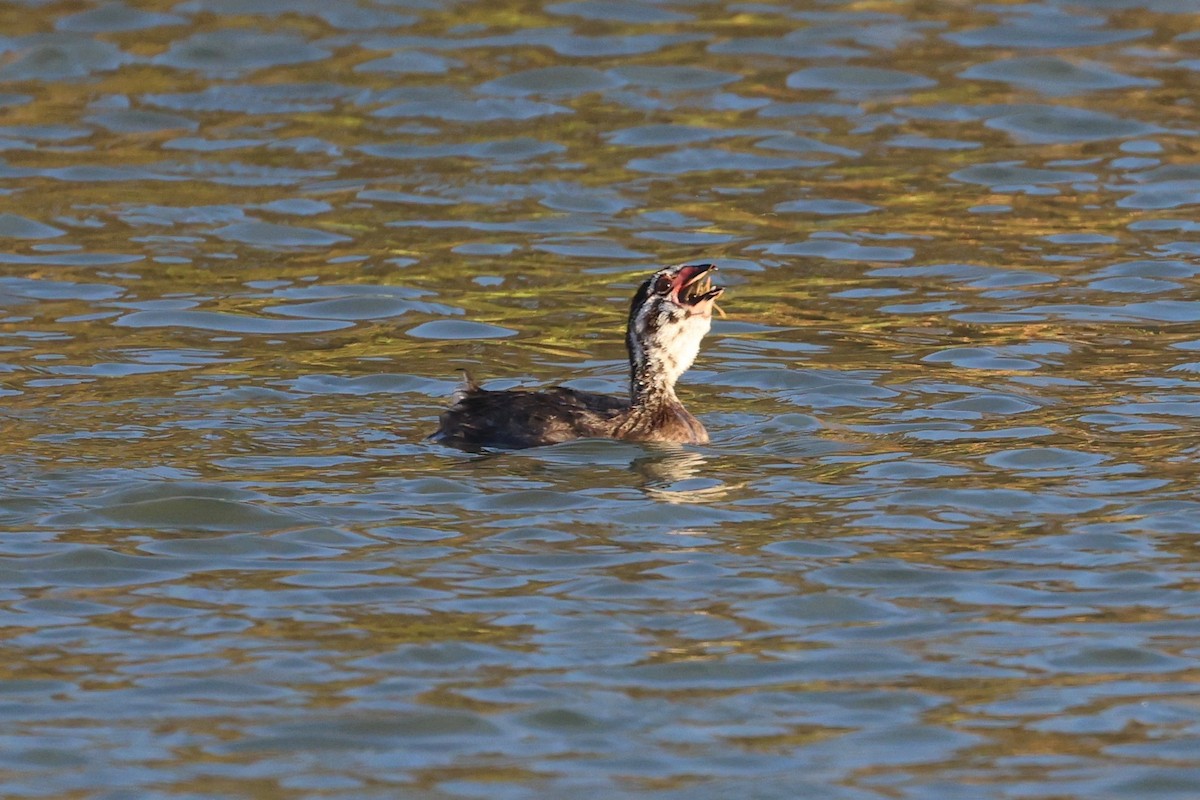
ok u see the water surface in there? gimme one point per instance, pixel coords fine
(941, 546)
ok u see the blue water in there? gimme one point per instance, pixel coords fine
(941, 547)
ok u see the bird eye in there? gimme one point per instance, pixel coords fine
(662, 285)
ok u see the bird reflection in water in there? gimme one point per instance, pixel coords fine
(672, 474)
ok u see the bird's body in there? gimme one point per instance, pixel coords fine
(668, 317)
(516, 419)
(480, 417)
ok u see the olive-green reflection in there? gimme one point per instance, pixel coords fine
(943, 535)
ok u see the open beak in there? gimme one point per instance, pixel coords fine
(694, 289)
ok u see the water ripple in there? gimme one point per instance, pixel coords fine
(940, 538)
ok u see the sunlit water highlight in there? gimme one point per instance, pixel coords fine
(943, 543)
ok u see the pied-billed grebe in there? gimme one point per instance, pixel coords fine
(668, 317)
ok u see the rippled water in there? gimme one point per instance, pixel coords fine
(943, 543)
